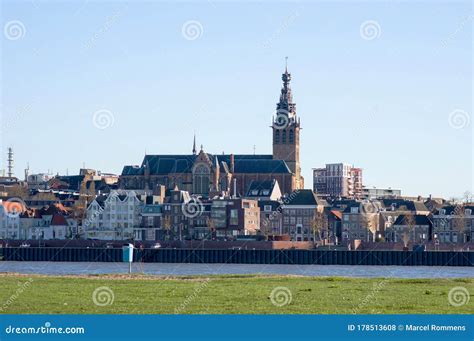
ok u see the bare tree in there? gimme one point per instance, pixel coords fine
(211, 225)
(166, 224)
(319, 223)
(370, 221)
(468, 197)
(409, 229)
(458, 222)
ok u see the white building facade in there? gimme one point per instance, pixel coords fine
(113, 217)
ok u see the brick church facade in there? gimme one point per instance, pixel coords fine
(208, 175)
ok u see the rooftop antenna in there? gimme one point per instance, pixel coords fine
(286, 64)
(10, 162)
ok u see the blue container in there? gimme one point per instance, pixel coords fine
(127, 254)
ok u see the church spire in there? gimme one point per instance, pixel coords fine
(286, 97)
(194, 144)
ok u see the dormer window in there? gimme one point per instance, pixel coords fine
(442, 212)
(267, 208)
(468, 211)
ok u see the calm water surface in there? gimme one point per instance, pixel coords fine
(84, 268)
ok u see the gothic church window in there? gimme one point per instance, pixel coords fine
(201, 180)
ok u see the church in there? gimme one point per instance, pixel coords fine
(206, 174)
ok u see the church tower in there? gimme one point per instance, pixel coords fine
(286, 131)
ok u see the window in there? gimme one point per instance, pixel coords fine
(277, 136)
(292, 136)
(468, 211)
(234, 217)
(283, 136)
(201, 179)
(267, 208)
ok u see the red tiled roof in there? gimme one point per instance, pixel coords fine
(338, 214)
(58, 220)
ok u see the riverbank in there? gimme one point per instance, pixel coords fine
(231, 294)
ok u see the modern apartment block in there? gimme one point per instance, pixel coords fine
(338, 180)
(379, 193)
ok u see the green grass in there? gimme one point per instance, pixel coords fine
(229, 295)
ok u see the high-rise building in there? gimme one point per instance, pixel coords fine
(338, 180)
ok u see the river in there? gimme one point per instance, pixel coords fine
(179, 269)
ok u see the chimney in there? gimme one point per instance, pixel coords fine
(232, 163)
(27, 171)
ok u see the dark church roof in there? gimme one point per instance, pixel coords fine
(303, 197)
(165, 164)
(416, 219)
(260, 188)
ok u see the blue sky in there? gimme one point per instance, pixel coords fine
(398, 105)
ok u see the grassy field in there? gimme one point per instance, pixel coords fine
(20, 294)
